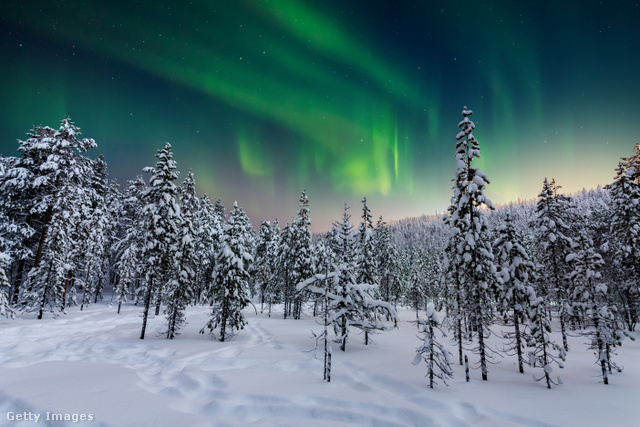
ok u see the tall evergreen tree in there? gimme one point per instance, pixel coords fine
(264, 264)
(161, 235)
(554, 244)
(229, 294)
(469, 255)
(515, 275)
(129, 250)
(589, 301)
(179, 289)
(302, 267)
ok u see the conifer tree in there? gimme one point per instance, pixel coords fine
(302, 267)
(285, 264)
(469, 261)
(434, 353)
(385, 253)
(229, 294)
(161, 235)
(180, 288)
(264, 263)
(208, 228)
(554, 244)
(130, 249)
(589, 300)
(541, 356)
(367, 269)
(515, 276)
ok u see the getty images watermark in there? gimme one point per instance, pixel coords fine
(47, 416)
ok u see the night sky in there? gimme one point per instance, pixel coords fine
(262, 99)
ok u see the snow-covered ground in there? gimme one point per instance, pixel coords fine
(91, 362)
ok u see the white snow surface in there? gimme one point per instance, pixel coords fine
(92, 362)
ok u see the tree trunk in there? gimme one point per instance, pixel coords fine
(147, 304)
(516, 322)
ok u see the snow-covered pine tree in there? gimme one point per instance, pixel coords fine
(515, 275)
(161, 235)
(589, 302)
(625, 236)
(179, 291)
(229, 293)
(264, 263)
(541, 355)
(385, 254)
(209, 237)
(367, 270)
(554, 244)
(302, 267)
(285, 262)
(434, 353)
(129, 250)
(469, 254)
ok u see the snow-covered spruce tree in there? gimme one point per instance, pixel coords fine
(302, 267)
(515, 276)
(385, 253)
(469, 254)
(208, 242)
(554, 244)
(130, 248)
(434, 353)
(589, 302)
(179, 290)
(229, 293)
(366, 269)
(541, 355)
(162, 229)
(5, 287)
(285, 262)
(89, 234)
(625, 236)
(264, 263)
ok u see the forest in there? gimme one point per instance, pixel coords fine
(70, 236)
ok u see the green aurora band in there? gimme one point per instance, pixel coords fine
(264, 98)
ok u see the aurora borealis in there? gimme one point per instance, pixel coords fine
(262, 99)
